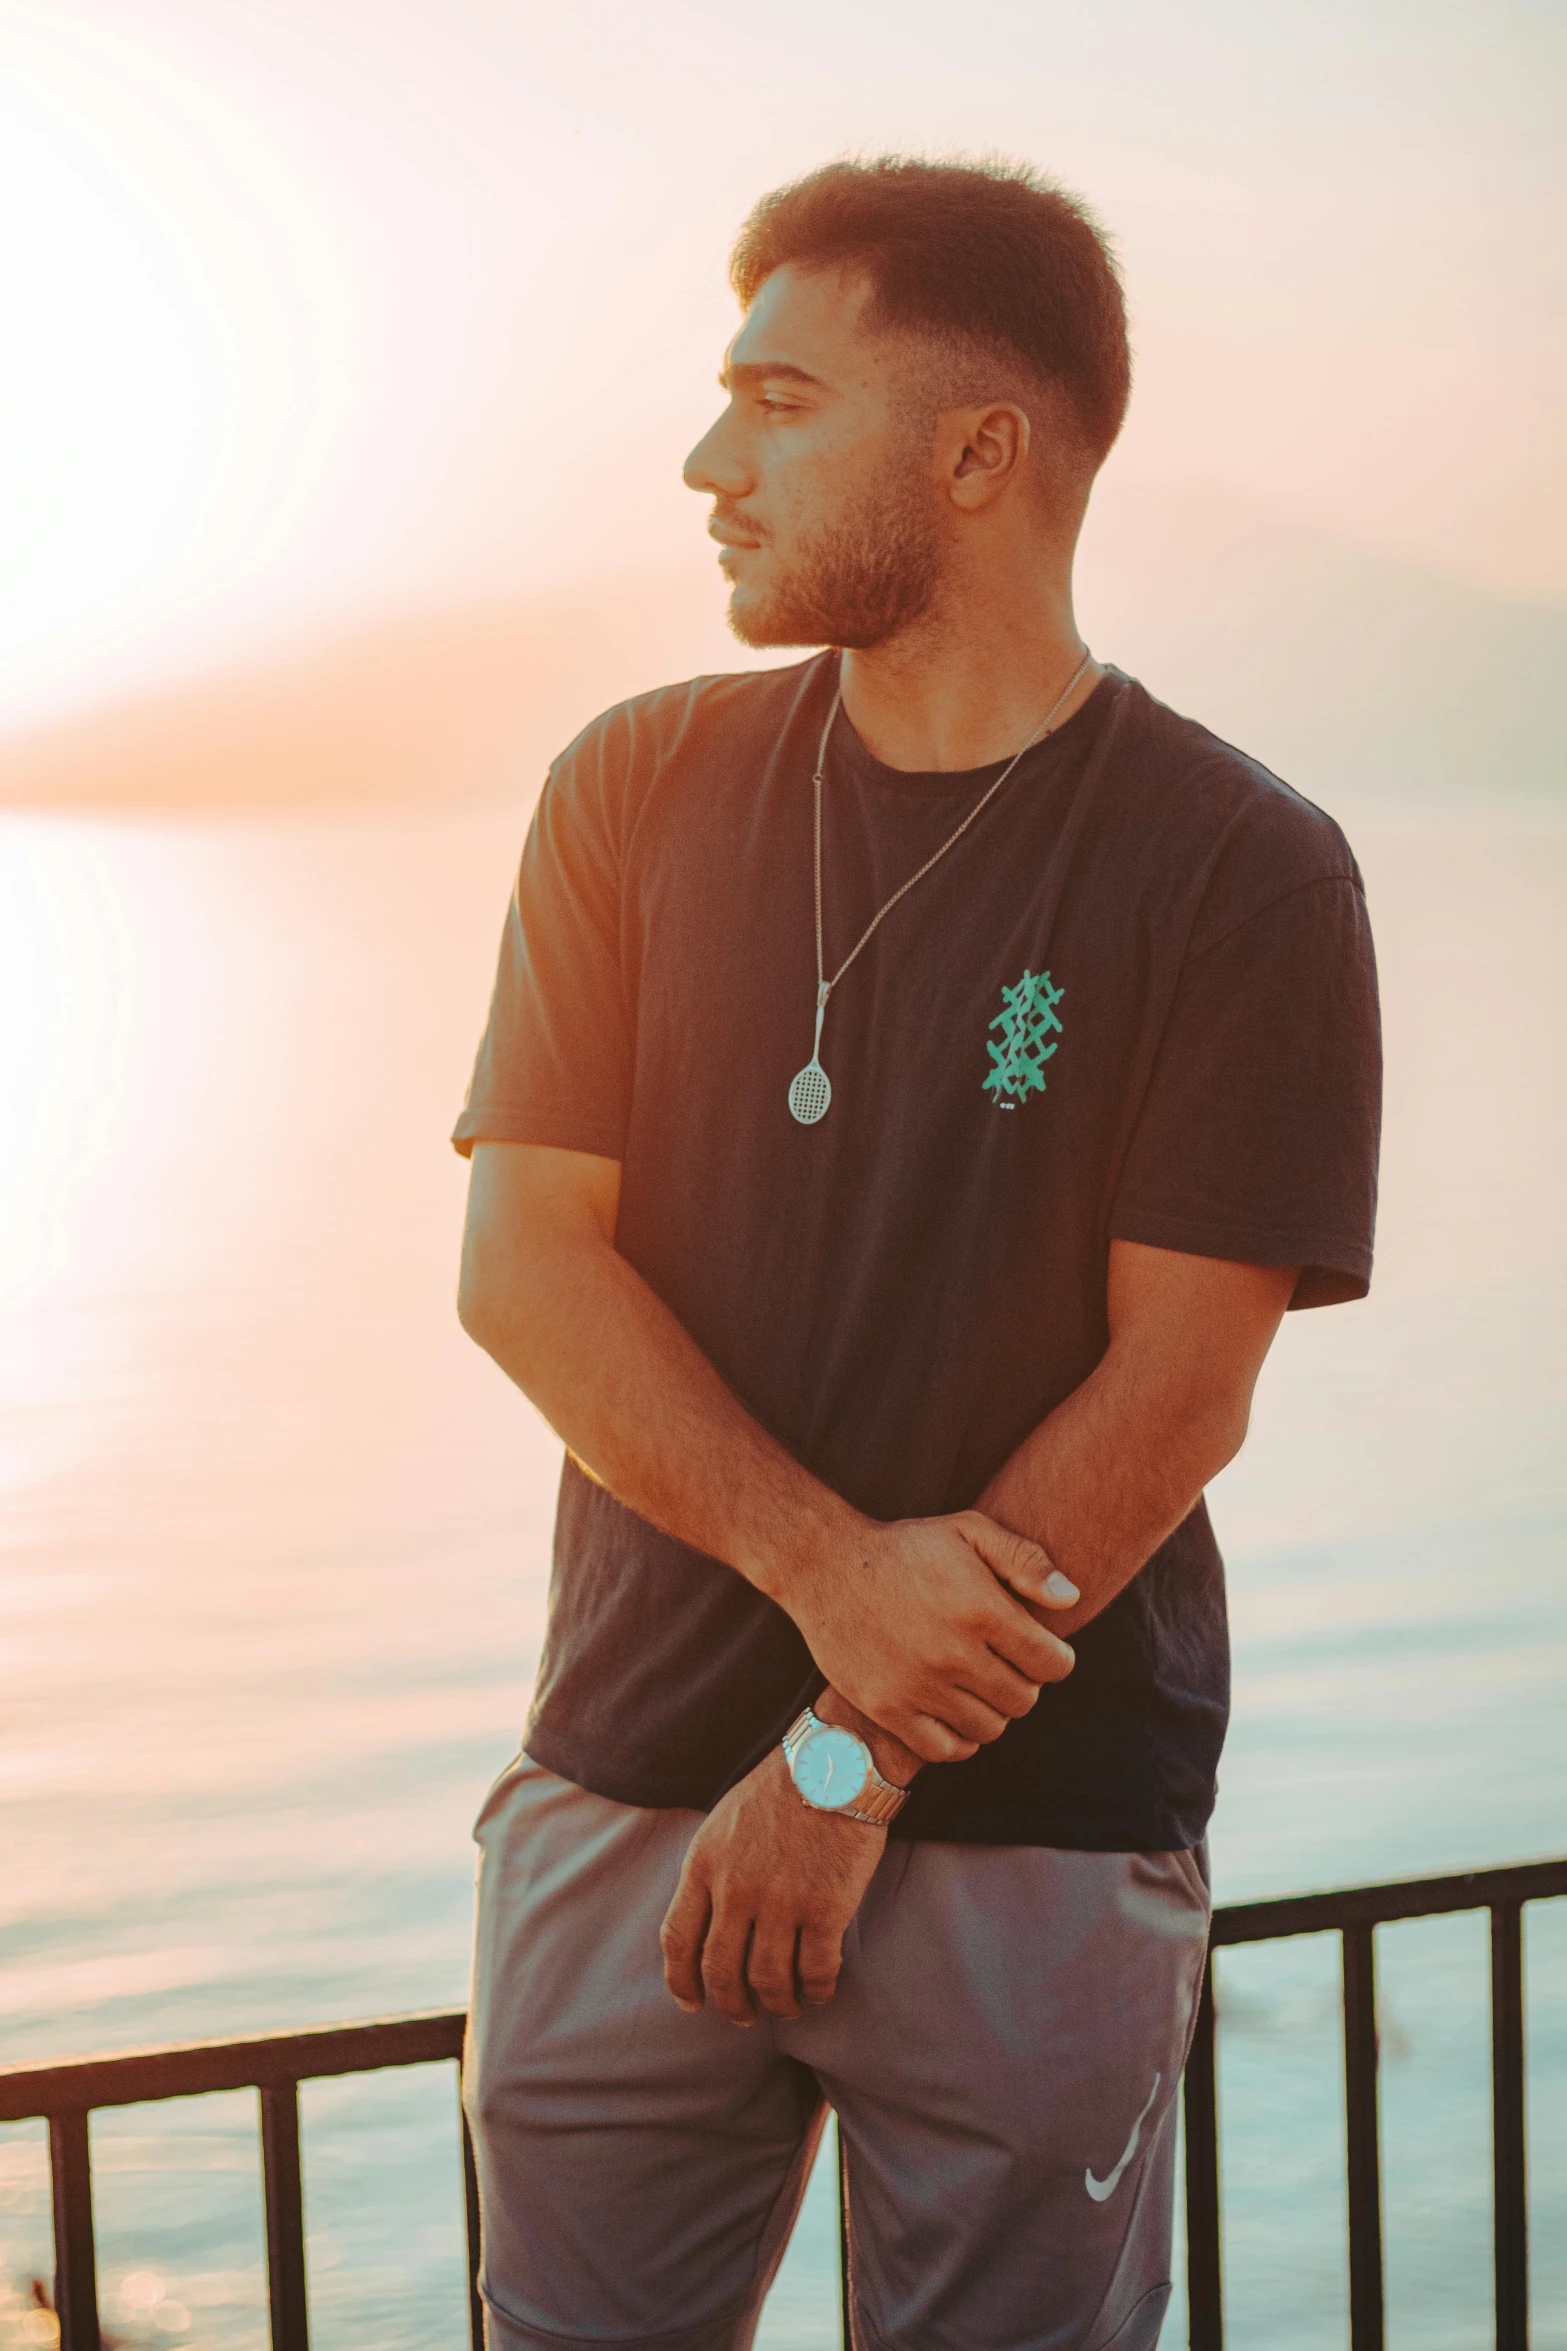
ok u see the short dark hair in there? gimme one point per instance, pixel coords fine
(988, 256)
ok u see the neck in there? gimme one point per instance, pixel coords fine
(972, 679)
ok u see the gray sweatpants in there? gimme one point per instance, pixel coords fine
(1002, 2053)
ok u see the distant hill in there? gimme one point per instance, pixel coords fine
(1352, 675)
(455, 706)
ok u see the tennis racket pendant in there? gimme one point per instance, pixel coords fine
(811, 1091)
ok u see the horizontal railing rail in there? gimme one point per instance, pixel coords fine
(274, 2065)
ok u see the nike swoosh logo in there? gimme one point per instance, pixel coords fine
(1100, 2190)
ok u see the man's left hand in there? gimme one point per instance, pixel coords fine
(768, 1888)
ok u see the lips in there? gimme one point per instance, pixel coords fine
(727, 536)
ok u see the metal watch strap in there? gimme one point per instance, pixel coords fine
(878, 1802)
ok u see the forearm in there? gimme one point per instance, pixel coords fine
(923, 1623)
(1116, 1467)
(1108, 1475)
(620, 1380)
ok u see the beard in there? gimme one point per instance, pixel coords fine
(861, 581)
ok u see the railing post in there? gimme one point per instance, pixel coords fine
(1364, 2139)
(1511, 2238)
(845, 2264)
(470, 2198)
(75, 2259)
(285, 2217)
(1200, 2095)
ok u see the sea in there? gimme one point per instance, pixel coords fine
(274, 1541)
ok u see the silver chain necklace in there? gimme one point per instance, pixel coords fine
(810, 1092)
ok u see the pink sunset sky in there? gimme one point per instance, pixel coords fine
(341, 310)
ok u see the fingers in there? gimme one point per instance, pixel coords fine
(932, 1741)
(1038, 1656)
(1025, 1565)
(821, 1957)
(970, 1701)
(682, 1937)
(770, 1968)
(1037, 1653)
(986, 1678)
(978, 1671)
(967, 1721)
(1025, 1568)
(723, 1967)
(966, 1713)
(767, 1971)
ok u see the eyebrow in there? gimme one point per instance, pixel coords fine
(748, 374)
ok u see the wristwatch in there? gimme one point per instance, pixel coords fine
(833, 1771)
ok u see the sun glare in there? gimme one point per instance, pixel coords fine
(180, 325)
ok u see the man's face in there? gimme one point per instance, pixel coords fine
(824, 498)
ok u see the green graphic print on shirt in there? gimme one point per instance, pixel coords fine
(1028, 1017)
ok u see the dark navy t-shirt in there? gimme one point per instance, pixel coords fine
(1136, 1001)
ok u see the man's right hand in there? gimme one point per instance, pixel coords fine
(914, 1623)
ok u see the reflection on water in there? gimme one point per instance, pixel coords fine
(273, 1542)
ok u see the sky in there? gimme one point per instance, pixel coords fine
(341, 307)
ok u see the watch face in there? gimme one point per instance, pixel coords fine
(831, 1767)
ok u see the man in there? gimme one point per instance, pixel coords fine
(918, 1082)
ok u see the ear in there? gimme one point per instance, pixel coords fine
(984, 450)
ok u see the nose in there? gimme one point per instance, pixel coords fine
(714, 468)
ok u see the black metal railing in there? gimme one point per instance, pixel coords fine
(1355, 1915)
(275, 2065)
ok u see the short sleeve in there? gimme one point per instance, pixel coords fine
(1257, 1138)
(554, 1062)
